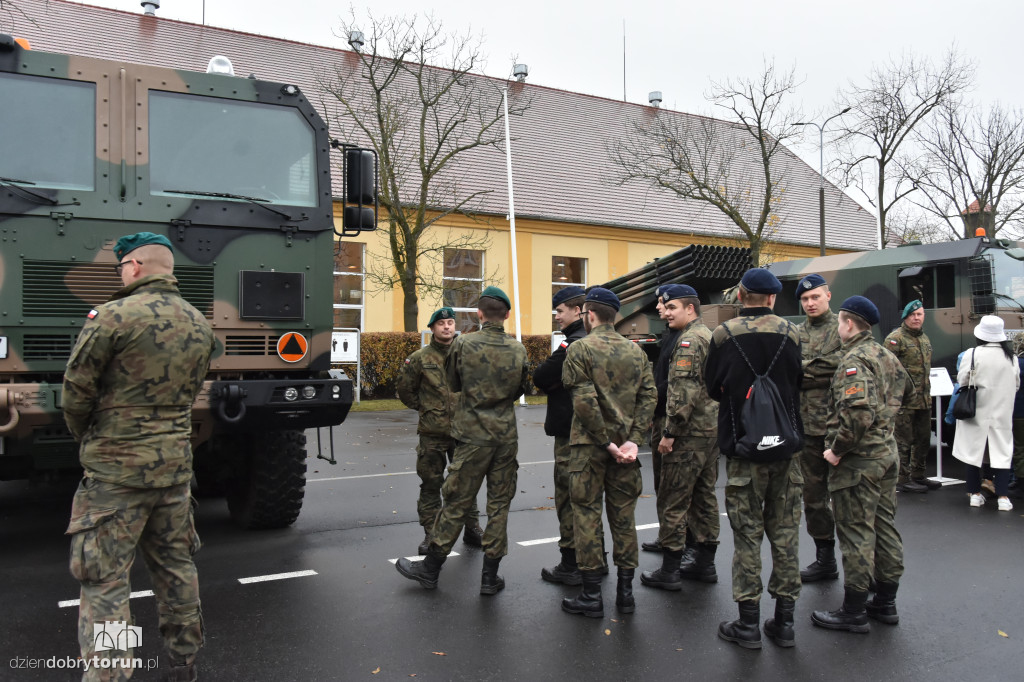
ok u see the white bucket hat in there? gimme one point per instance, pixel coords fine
(990, 329)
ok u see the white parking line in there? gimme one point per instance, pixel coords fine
(276, 576)
(76, 602)
(401, 473)
(542, 541)
(418, 557)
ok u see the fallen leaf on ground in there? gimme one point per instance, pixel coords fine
(607, 632)
(647, 496)
(543, 508)
(1002, 634)
(374, 672)
(439, 653)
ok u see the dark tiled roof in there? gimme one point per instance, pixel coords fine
(561, 166)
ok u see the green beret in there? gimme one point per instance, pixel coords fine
(129, 243)
(495, 292)
(445, 313)
(911, 307)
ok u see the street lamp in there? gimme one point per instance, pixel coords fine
(821, 171)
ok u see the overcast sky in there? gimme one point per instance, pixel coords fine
(675, 47)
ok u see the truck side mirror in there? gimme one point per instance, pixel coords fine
(359, 203)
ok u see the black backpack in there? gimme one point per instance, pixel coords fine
(768, 432)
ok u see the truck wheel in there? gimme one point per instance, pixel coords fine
(269, 491)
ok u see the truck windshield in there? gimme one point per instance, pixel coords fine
(245, 148)
(1009, 276)
(49, 131)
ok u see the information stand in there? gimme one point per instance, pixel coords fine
(942, 385)
(345, 351)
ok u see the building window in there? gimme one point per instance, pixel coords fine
(349, 281)
(463, 283)
(566, 271)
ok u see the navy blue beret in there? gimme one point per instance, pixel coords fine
(861, 307)
(674, 291)
(760, 281)
(812, 281)
(602, 295)
(565, 294)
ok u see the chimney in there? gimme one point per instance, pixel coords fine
(654, 98)
(521, 71)
(151, 6)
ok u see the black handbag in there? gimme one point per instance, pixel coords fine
(967, 396)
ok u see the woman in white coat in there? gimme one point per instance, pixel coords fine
(997, 376)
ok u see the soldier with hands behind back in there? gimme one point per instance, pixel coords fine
(913, 349)
(137, 367)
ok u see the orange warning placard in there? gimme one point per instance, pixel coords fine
(292, 346)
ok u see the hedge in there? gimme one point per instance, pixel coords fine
(383, 354)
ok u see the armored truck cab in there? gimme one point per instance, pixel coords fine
(235, 172)
(958, 282)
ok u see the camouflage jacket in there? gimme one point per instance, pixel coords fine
(139, 363)
(423, 386)
(690, 411)
(820, 348)
(488, 370)
(613, 392)
(867, 391)
(914, 351)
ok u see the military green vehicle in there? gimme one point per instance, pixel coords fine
(958, 282)
(236, 172)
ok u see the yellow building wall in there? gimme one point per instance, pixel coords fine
(610, 252)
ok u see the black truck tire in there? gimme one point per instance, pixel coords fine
(268, 492)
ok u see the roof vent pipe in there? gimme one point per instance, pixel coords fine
(355, 40)
(521, 71)
(151, 6)
(654, 98)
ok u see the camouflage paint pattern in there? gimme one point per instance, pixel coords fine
(594, 476)
(108, 523)
(687, 497)
(689, 410)
(821, 523)
(138, 365)
(913, 349)
(433, 454)
(423, 386)
(488, 370)
(867, 391)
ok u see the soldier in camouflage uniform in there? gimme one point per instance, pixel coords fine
(911, 346)
(820, 348)
(866, 394)
(132, 377)
(689, 449)
(568, 305)
(761, 498)
(423, 386)
(488, 369)
(613, 397)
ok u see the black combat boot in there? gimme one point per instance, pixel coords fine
(780, 628)
(703, 566)
(928, 483)
(850, 616)
(883, 606)
(744, 630)
(910, 486)
(588, 602)
(181, 673)
(474, 535)
(652, 546)
(425, 545)
(567, 572)
(624, 601)
(824, 566)
(424, 572)
(666, 577)
(490, 581)
(690, 550)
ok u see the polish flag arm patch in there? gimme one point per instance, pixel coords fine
(684, 344)
(893, 341)
(564, 344)
(851, 371)
(93, 313)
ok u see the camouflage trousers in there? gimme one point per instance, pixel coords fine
(687, 497)
(913, 438)
(594, 476)
(563, 505)
(764, 499)
(864, 495)
(657, 428)
(470, 465)
(108, 523)
(821, 524)
(432, 455)
(1018, 449)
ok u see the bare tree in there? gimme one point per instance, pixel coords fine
(906, 223)
(736, 166)
(410, 94)
(875, 137)
(972, 171)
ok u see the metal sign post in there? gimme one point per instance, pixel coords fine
(942, 385)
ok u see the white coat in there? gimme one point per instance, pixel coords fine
(997, 380)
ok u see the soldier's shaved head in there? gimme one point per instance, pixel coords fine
(154, 258)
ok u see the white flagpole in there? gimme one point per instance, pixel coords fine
(512, 226)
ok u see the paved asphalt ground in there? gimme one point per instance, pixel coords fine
(351, 616)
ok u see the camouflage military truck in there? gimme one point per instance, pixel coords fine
(236, 173)
(958, 282)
